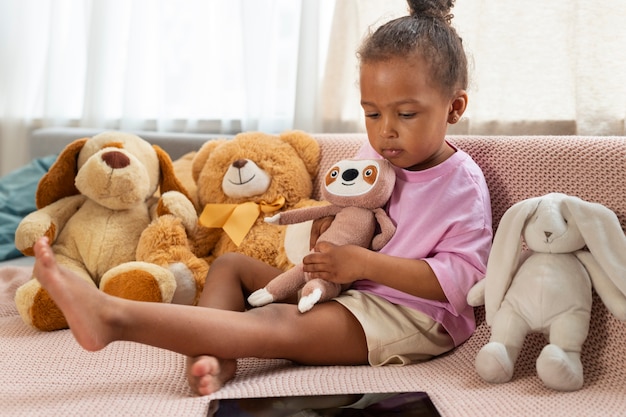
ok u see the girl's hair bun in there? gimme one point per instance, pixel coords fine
(437, 9)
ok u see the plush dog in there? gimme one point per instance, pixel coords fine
(238, 182)
(357, 191)
(574, 245)
(93, 204)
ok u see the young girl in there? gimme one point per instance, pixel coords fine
(406, 302)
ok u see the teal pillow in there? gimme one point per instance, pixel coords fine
(17, 199)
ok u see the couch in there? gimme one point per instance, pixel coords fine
(48, 374)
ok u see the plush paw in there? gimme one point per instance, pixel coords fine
(476, 294)
(186, 288)
(175, 203)
(560, 370)
(493, 363)
(260, 298)
(37, 308)
(139, 281)
(275, 219)
(31, 229)
(308, 301)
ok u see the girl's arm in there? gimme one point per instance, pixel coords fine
(346, 264)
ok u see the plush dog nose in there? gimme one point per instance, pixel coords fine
(116, 159)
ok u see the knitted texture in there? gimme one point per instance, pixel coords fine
(518, 167)
(47, 373)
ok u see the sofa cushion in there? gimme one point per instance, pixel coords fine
(521, 167)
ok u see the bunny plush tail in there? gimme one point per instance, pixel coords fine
(560, 370)
(494, 364)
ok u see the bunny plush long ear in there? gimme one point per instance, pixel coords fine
(58, 182)
(603, 236)
(505, 254)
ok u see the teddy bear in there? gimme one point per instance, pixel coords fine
(356, 189)
(237, 182)
(574, 246)
(92, 205)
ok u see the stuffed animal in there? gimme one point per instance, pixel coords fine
(238, 182)
(357, 191)
(93, 204)
(574, 246)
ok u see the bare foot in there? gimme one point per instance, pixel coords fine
(83, 306)
(207, 374)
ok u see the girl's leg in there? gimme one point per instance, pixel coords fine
(232, 277)
(328, 334)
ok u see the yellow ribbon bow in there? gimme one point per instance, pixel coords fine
(237, 219)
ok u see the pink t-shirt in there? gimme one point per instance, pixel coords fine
(443, 216)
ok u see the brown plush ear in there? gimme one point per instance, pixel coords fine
(307, 148)
(58, 182)
(169, 181)
(203, 154)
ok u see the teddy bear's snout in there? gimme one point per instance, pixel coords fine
(116, 159)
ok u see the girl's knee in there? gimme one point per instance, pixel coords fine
(250, 272)
(230, 262)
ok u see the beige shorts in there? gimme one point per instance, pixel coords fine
(396, 335)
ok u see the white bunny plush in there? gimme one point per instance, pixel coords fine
(574, 245)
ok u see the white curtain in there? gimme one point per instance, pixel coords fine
(218, 66)
(222, 66)
(537, 66)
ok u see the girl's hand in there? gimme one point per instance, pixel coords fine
(319, 226)
(338, 264)
(348, 263)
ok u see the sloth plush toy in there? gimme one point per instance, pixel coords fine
(356, 190)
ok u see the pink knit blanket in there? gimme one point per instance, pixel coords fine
(49, 374)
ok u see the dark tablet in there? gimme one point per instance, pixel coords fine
(406, 404)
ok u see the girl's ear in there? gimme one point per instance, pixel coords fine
(458, 104)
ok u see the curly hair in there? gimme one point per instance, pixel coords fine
(427, 33)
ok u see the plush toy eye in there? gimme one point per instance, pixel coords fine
(370, 174)
(334, 173)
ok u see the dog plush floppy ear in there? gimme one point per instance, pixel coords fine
(58, 182)
(168, 180)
